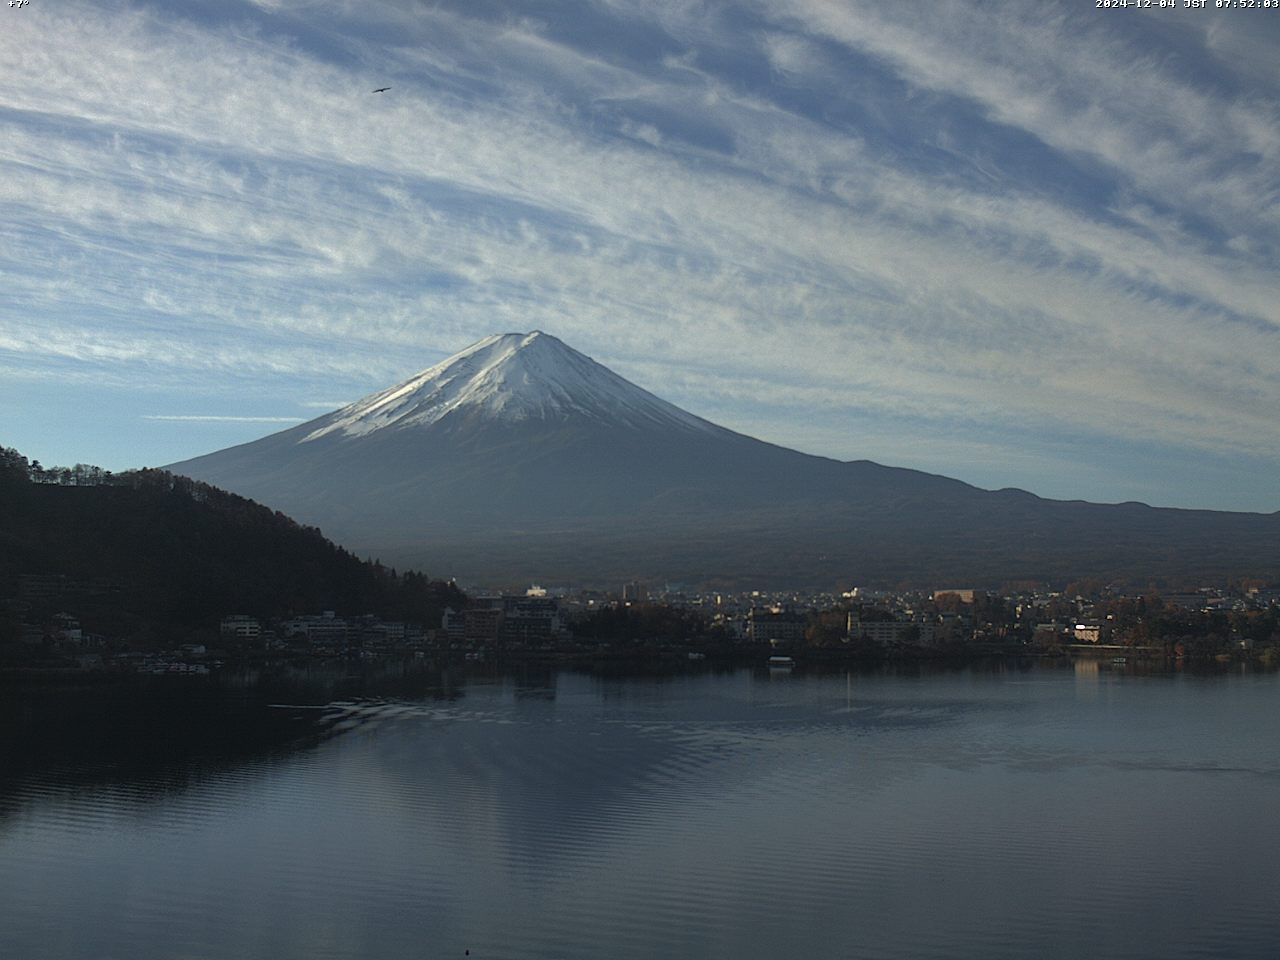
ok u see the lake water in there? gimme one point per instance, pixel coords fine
(985, 813)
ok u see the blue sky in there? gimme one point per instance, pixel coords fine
(1028, 245)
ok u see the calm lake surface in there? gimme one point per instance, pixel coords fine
(990, 812)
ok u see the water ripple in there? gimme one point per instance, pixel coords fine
(698, 822)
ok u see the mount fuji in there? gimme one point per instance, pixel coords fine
(520, 458)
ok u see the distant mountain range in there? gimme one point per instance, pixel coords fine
(521, 458)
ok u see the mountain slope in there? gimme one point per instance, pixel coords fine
(520, 457)
(181, 555)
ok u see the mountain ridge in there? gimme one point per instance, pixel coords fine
(522, 456)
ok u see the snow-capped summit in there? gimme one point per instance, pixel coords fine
(510, 377)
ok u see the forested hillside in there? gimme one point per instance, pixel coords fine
(147, 551)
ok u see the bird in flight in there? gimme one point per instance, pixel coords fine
(382, 90)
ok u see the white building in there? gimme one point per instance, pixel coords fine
(892, 633)
(1083, 632)
(240, 627)
(326, 628)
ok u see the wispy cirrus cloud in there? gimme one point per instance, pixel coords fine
(1081, 87)
(216, 418)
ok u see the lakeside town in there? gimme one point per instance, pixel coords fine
(47, 634)
(149, 572)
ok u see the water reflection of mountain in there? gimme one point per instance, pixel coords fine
(484, 759)
(558, 777)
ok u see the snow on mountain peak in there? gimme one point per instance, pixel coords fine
(511, 377)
